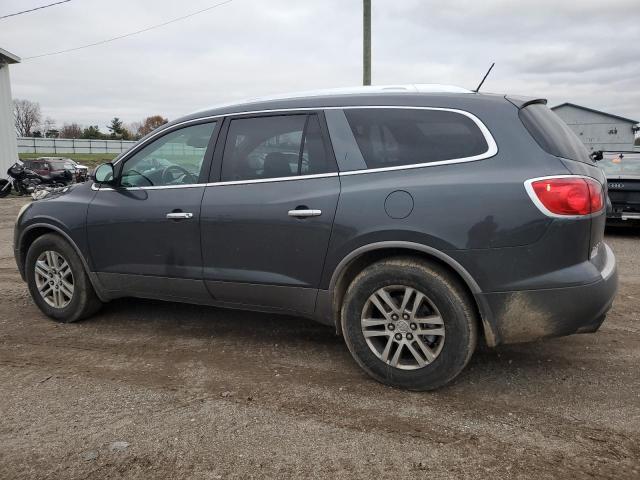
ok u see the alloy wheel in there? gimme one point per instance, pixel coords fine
(403, 327)
(54, 279)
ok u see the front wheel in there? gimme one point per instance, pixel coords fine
(5, 188)
(57, 280)
(409, 323)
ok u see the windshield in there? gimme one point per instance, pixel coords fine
(62, 164)
(620, 164)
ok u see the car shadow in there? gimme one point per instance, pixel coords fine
(311, 350)
(206, 321)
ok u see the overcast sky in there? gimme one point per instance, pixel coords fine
(581, 51)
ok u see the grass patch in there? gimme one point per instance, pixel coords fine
(90, 160)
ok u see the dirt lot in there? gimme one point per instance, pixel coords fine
(159, 390)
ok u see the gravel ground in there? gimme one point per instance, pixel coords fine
(159, 390)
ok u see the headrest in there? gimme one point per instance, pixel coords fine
(276, 164)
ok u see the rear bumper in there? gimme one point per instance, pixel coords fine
(526, 315)
(623, 212)
(622, 217)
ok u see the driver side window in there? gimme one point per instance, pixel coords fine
(173, 159)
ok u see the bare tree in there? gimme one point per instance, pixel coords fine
(49, 128)
(134, 128)
(27, 116)
(71, 130)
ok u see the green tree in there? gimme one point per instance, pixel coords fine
(116, 127)
(92, 132)
(118, 130)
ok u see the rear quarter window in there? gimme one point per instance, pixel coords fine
(390, 137)
(552, 134)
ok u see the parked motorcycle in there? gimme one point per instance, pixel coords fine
(26, 181)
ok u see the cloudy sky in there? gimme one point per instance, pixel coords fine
(581, 51)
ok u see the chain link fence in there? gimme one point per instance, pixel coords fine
(72, 145)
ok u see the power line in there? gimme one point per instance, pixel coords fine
(102, 42)
(34, 9)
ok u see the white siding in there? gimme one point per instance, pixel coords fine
(596, 130)
(8, 147)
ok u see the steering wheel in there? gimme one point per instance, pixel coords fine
(168, 175)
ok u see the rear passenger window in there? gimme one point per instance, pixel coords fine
(390, 137)
(271, 147)
(552, 134)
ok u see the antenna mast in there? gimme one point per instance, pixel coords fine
(485, 77)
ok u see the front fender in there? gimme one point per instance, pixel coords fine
(29, 233)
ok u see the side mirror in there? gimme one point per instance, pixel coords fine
(103, 173)
(596, 156)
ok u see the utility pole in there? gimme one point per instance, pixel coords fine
(366, 43)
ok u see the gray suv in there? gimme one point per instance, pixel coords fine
(414, 220)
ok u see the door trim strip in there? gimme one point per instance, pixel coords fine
(94, 186)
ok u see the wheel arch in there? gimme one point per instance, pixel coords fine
(365, 255)
(35, 231)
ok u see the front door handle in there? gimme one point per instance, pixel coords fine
(300, 213)
(179, 215)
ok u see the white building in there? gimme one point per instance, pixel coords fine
(8, 145)
(598, 130)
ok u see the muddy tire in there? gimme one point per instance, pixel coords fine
(409, 323)
(57, 280)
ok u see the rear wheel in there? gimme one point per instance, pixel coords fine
(57, 280)
(409, 323)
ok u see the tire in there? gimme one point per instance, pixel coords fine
(83, 301)
(5, 188)
(445, 302)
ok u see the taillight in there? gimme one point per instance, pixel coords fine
(566, 196)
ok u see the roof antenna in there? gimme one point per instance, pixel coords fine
(484, 78)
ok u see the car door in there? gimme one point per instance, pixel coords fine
(267, 219)
(144, 233)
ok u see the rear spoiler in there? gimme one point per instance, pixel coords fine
(521, 102)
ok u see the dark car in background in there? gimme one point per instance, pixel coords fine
(414, 220)
(623, 181)
(54, 165)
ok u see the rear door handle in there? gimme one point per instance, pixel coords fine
(299, 213)
(179, 215)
